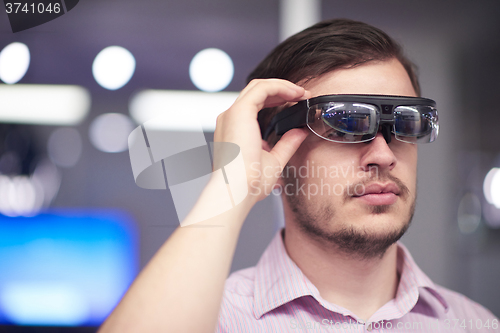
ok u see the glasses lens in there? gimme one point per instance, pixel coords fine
(343, 121)
(416, 124)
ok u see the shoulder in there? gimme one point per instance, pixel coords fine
(462, 307)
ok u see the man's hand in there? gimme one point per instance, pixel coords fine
(239, 125)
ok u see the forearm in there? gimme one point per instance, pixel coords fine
(181, 288)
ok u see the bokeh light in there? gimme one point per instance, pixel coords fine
(113, 67)
(43, 104)
(153, 104)
(14, 62)
(49, 177)
(491, 187)
(469, 213)
(65, 147)
(211, 70)
(109, 132)
(20, 196)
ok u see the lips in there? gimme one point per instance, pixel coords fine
(379, 194)
(380, 188)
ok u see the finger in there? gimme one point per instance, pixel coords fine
(284, 149)
(264, 84)
(255, 82)
(249, 86)
(273, 101)
(267, 93)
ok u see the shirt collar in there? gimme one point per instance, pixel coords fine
(411, 279)
(278, 280)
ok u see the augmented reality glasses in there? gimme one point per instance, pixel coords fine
(358, 118)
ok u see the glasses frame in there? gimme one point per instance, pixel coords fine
(296, 115)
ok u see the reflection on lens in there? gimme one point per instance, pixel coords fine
(415, 123)
(343, 122)
(348, 121)
(407, 121)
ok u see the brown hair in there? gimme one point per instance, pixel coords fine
(324, 47)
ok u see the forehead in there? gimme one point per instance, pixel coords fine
(374, 77)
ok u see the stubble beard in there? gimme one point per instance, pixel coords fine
(352, 241)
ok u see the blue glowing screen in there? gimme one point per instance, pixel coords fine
(65, 268)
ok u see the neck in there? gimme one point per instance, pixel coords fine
(358, 284)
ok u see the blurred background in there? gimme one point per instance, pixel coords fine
(75, 229)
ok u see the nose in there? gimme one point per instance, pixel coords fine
(377, 153)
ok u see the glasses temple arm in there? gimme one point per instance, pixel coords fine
(292, 117)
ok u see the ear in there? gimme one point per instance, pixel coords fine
(266, 146)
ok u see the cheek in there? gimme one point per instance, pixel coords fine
(331, 165)
(330, 176)
(407, 165)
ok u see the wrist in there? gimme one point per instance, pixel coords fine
(221, 204)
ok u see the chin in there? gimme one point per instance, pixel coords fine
(380, 209)
(378, 224)
(367, 238)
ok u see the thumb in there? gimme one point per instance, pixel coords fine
(284, 149)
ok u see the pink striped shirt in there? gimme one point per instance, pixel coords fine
(275, 296)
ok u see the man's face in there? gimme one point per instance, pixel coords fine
(358, 197)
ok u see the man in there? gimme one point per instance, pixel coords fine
(337, 265)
